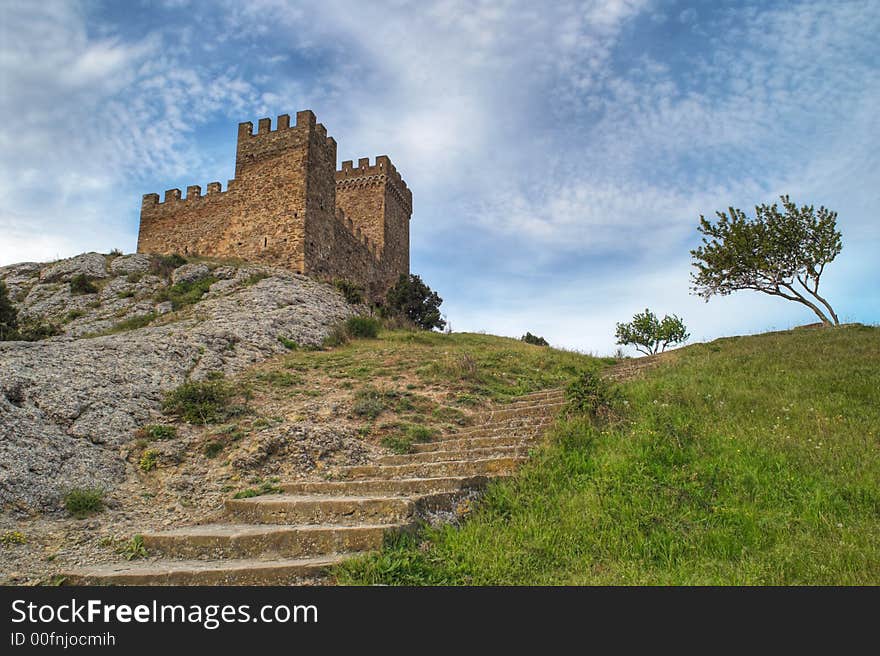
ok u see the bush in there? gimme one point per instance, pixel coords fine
(413, 299)
(33, 331)
(204, 402)
(353, 293)
(288, 343)
(590, 395)
(82, 284)
(363, 327)
(84, 501)
(529, 338)
(163, 265)
(115, 253)
(338, 336)
(8, 315)
(368, 402)
(9, 538)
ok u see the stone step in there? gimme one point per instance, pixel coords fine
(528, 427)
(213, 541)
(475, 443)
(520, 401)
(384, 486)
(208, 572)
(342, 510)
(503, 413)
(458, 454)
(503, 465)
(557, 392)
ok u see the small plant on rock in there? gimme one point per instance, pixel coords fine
(82, 284)
(133, 549)
(158, 432)
(149, 460)
(353, 293)
(10, 538)
(205, 402)
(84, 501)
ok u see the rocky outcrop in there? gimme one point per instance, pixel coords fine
(69, 403)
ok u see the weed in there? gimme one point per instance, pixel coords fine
(73, 315)
(164, 265)
(264, 488)
(213, 448)
(133, 549)
(10, 538)
(134, 277)
(149, 460)
(590, 395)
(84, 501)
(338, 336)
(254, 278)
(126, 293)
(368, 402)
(187, 293)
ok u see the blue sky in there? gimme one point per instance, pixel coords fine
(560, 154)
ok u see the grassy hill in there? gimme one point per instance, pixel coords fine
(749, 460)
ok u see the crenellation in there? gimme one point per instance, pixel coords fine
(287, 205)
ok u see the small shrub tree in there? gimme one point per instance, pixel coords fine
(529, 338)
(778, 254)
(651, 335)
(590, 395)
(412, 298)
(8, 315)
(82, 284)
(363, 327)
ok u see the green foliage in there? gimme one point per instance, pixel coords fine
(115, 253)
(353, 293)
(213, 448)
(11, 538)
(590, 395)
(338, 336)
(133, 323)
(186, 293)
(363, 327)
(149, 460)
(84, 501)
(158, 432)
(205, 402)
(128, 293)
(288, 343)
(267, 487)
(529, 338)
(73, 315)
(134, 548)
(134, 277)
(369, 402)
(253, 279)
(82, 284)
(651, 335)
(413, 299)
(778, 254)
(8, 315)
(402, 441)
(164, 265)
(710, 481)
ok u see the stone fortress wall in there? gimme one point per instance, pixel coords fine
(288, 206)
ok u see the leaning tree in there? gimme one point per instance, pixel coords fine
(781, 254)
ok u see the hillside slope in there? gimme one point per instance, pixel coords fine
(132, 327)
(751, 460)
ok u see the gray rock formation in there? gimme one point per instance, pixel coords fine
(69, 403)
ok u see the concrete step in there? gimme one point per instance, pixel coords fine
(298, 571)
(341, 510)
(211, 541)
(475, 443)
(557, 392)
(503, 465)
(458, 454)
(555, 397)
(383, 486)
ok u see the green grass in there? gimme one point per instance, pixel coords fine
(133, 323)
(267, 487)
(185, 293)
(750, 460)
(405, 437)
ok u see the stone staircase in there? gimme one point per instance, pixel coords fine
(294, 537)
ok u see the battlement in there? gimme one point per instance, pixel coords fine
(382, 171)
(173, 196)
